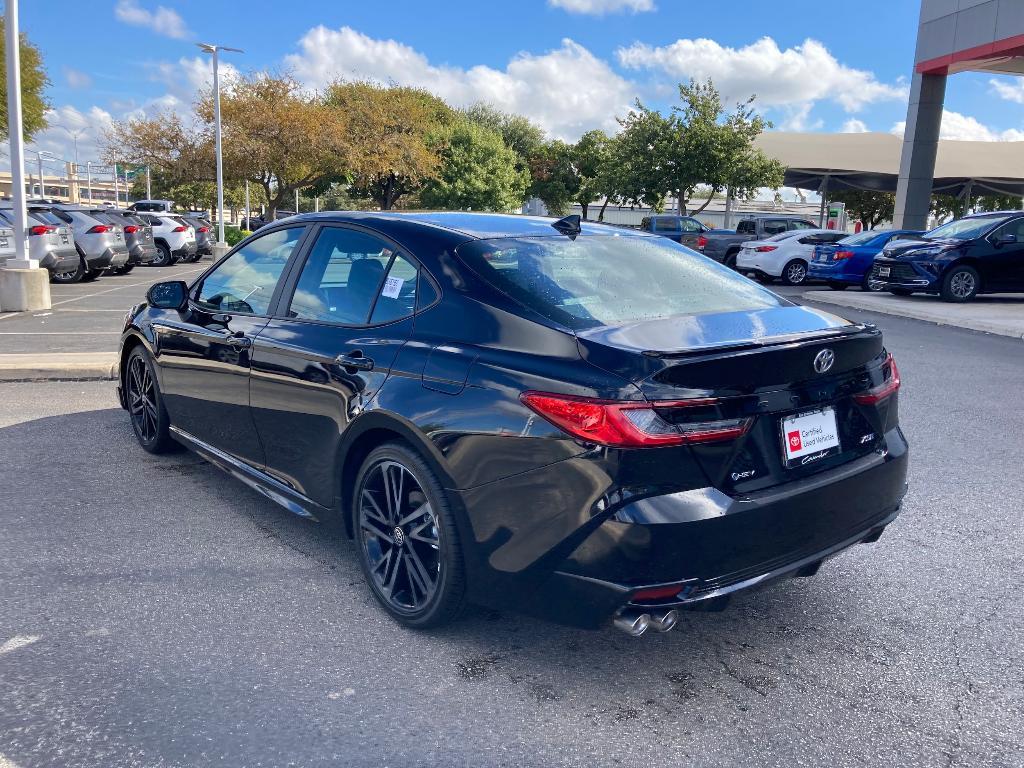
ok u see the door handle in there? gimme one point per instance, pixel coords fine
(241, 342)
(355, 361)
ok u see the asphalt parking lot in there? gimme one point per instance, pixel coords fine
(155, 612)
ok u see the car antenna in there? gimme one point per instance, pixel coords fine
(568, 226)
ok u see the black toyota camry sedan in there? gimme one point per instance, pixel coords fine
(582, 422)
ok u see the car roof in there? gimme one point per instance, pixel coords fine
(471, 225)
(987, 214)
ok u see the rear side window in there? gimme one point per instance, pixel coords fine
(666, 225)
(610, 280)
(47, 217)
(341, 277)
(246, 280)
(397, 297)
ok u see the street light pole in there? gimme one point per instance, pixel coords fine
(248, 213)
(117, 195)
(215, 50)
(149, 194)
(88, 176)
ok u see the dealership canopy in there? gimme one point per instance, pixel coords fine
(816, 161)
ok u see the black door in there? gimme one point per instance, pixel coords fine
(1002, 265)
(204, 353)
(327, 352)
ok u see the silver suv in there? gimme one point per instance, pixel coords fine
(138, 236)
(101, 245)
(50, 241)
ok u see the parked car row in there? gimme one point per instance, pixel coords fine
(77, 242)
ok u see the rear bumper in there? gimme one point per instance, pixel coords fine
(110, 257)
(709, 543)
(142, 253)
(834, 273)
(60, 261)
(187, 249)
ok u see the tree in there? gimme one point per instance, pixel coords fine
(176, 152)
(871, 207)
(477, 171)
(640, 156)
(591, 157)
(34, 82)
(554, 178)
(519, 134)
(389, 130)
(953, 207)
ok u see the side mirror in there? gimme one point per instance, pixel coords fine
(172, 294)
(1005, 240)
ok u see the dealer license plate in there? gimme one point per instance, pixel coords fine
(809, 436)
(883, 271)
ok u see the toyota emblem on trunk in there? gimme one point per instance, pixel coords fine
(823, 360)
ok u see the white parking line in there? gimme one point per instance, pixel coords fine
(16, 642)
(6, 762)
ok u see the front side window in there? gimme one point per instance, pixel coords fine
(774, 226)
(609, 279)
(690, 225)
(341, 277)
(964, 229)
(1015, 228)
(745, 228)
(797, 224)
(246, 280)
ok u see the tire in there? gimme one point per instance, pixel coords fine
(871, 286)
(92, 274)
(960, 284)
(149, 418)
(126, 269)
(66, 278)
(838, 286)
(795, 272)
(899, 291)
(424, 584)
(730, 259)
(163, 256)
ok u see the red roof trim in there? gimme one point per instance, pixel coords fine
(944, 65)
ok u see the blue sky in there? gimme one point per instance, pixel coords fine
(570, 65)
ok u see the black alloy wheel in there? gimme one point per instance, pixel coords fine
(407, 542)
(145, 405)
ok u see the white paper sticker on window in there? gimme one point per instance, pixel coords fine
(392, 287)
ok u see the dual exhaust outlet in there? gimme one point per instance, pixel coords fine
(634, 621)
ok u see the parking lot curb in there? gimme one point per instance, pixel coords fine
(972, 316)
(59, 366)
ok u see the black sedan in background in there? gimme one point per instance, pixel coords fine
(586, 423)
(981, 253)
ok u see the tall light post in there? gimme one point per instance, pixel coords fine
(149, 193)
(88, 177)
(42, 154)
(23, 285)
(215, 50)
(248, 213)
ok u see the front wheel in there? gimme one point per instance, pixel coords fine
(150, 421)
(794, 273)
(961, 284)
(871, 286)
(408, 545)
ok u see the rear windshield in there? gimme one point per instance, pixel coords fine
(48, 218)
(964, 229)
(861, 237)
(600, 280)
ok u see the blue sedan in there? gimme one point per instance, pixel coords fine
(849, 261)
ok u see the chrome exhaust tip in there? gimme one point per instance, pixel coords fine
(666, 621)
(633, 622)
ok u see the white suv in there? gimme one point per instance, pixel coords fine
(174, 237)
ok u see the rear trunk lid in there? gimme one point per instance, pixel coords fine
(758, 365)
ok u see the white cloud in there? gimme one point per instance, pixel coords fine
(1010, 91)
(853, 125)
(799, 119)
(601, 7)
(804, 73)
(76, 79)
(164, 21)
(958, 127)
(567, 90)
(63, 124)
(186, 77)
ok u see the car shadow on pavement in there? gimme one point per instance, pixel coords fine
(160, 584)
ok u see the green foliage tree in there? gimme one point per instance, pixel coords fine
(34, 82)
(519, 134)
(951, 206)
(590, 157)
(871, 207)
(477, 171)
(554, 178)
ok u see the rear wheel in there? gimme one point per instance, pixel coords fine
(961, 284)
(730, 259)
(150, 421)
(408, 544)
(163, 256)
(70, 276)
(795, 273)
(91, 274)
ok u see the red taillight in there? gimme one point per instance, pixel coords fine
(180, 229)
(629, 423)
(99, 229)
(889, 386)
(203, 229)
(701, 242)
(130, 228)
(765, 248)
(840, 255)
(41, 229)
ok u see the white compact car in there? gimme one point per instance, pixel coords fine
(785, 255)
(174, 238)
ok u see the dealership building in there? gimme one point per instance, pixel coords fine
(953, 36)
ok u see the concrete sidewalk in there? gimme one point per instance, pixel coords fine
(1001, 314)
(69, 366)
